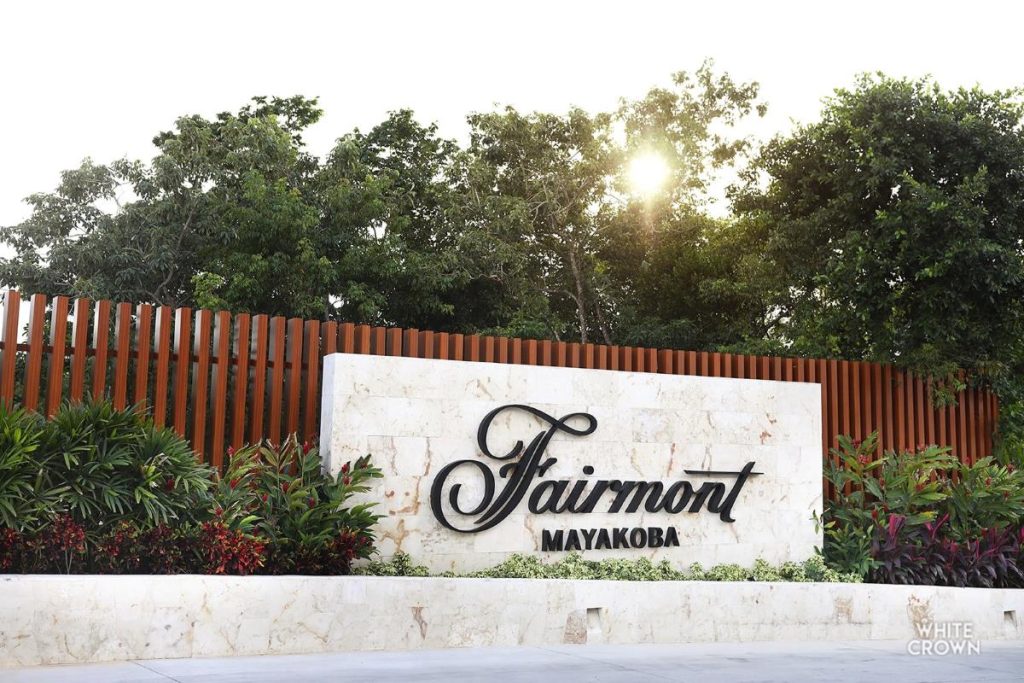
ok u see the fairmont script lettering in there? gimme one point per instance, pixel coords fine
(523, 468)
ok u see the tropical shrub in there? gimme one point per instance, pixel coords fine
(25, 497)
(95, 489)
(281, 494)
(924, 517)
(111, 465)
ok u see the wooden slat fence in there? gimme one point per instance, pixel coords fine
(222, 380)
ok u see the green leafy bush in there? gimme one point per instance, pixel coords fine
(103, 490)
(923, 517)
(109, 465)
(24, 496)
(97, 464)
(281, 494)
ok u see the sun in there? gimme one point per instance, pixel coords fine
(647, 174)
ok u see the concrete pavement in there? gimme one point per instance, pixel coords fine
(844, 661)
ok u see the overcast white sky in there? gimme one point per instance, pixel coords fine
(100, 78)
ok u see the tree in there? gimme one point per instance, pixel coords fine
(222, 200)
(589, 240)
(892, 228)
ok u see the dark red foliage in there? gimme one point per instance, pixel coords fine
(220, 550)
(11, 550)
(924, 556)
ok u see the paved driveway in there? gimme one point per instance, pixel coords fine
(879, 662)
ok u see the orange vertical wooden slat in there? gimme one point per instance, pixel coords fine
(953, 438)
(703, 364)
(12, 311)
(471, 345)
(588, 356)
(443, 345)
(275, 409)
(222, 370)
(835, 427)
(716, 364)
(889, 427)
(652, 360)
(876, 390)
(941, 418)
(393, 345)
(545, 352)
(261, 327)
(558, 354)
(294, 345)
(362, 341)
(80, 350)
(36, 351)
(864, 398)
(854, 395)
(818, 374)
(347, 338)
(58, 341)
(929, 414)
(972, 404)
(532, 352)
(502, 349)
(665, 361)
(979, 422)
(182, 368)
(575, 355)
(901, 411)
(776, 372)
(845, 424)
(639, 360)
(425, 344)
(143, 353)
(379, 341)
(763, 371)
(243, 340)
(458, 347)
(123, 350)
(329, 334)
(911, 407)
(411, 343)
(311, 410)
(984, 422)
(487, 349)
(101, 349)
(961, 428)
(516, 353)
(969, 426)
(919, 394)
(992, 424)
(203, 339)
(161, 389)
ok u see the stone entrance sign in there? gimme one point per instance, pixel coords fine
(483, 460)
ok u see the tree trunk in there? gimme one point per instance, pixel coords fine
(580, 296)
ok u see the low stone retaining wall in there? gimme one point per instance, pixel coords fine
(66, 619)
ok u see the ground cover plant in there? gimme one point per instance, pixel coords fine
(575, 566)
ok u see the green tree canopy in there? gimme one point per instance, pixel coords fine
(892, 228)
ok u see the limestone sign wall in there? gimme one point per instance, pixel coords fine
(482, 460)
